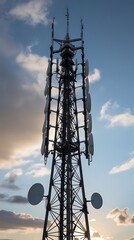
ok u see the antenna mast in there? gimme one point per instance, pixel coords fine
(67, 140)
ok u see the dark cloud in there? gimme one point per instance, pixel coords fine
(17, 199)
(11, 220)
(2, 196)
(121, 217)
(13, 199)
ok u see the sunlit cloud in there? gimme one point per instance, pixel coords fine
(95, 75)
(125, 119)
(36, 66)
(38, 170)
(32, 62)
(21, 114)
(121, 217)
(96, 236)
(38, 15)
(93, 220)
(123, 167)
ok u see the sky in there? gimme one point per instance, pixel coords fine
(25, 38)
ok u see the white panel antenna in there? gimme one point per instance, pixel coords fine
(48, 72)
(44, 124)
(91, 144)
(87, 85)
(43, 146)
(57, 65)
(89, 122)
(47, 103)
(88, 102)
(86, 68)
(46, 91)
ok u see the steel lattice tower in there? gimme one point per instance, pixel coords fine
(67, 138)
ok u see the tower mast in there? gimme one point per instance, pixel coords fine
(66, 211)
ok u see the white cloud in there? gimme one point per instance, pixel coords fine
(38, 170)
(103, 112)
(33, 63)
(121, 217)
(36, 66)
(32, 12)
(95, 75)
(123, 167)
(125, 119)
(13, 174)
(10, 179)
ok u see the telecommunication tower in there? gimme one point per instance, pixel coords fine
(67, 140)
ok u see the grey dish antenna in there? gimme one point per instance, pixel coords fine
(36, 194)
(96, 200)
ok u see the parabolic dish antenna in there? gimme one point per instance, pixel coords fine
(36, 194)
(96, 200)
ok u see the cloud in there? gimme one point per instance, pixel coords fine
(121, 217)
(38, 170)
(22, 221)
(95, 75)
(10, 179)
(17, 199)
(36, 66)
(8, 47)
(125, 119)
(21, 113)
(123, 167)
(96, 235)
(33, 12)
(13, 199)
(32, 62)
(2, 197)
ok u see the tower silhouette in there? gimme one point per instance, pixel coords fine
(67, 140)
